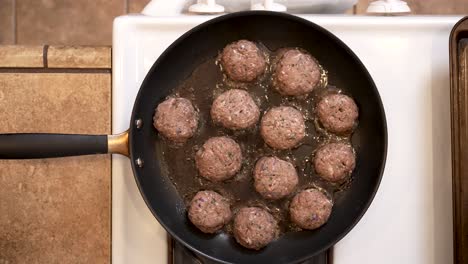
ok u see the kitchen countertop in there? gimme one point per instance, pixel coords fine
(55, 210)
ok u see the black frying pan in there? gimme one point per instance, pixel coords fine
(275, 30)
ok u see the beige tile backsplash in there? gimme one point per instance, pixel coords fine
(135, 6)
(89, 22)
(66, 22)
(55, 103)
(7, 22)
(78, 57)
(15, 56)
(55, 210)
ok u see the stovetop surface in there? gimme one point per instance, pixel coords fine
(181, 255)
(410, 219)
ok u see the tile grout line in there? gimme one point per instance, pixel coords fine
(126, 9)
(45, 52)
(57, 70)
(14, 20)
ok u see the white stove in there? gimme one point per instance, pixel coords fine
(410, 219)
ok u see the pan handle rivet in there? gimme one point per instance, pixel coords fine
(139, 162)
(138, 123)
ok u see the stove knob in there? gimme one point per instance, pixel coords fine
(206, 7)
(267, 5)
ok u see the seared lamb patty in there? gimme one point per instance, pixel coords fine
(209, 211)
(296, 73)
(274, 178)
(219, 159)
(254, 227)
(243, 61)
(310, 209)
(235, 109)
(282, 127)
(334, 162)
(337, 113)
(176, 119)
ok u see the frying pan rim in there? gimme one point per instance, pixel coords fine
(294, 18)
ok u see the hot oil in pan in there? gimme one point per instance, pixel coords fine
(205, 84)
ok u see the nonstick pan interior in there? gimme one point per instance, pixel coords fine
(274, 30)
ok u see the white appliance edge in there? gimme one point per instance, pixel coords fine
(410, 219)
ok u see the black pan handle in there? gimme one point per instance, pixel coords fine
(37, 146)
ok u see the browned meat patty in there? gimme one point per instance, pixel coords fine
(235, 109)
(243, 61)
(337, 113)
(209, 211)
(176, 119)
(282, 127)
(334, 162)
(254, 227)
(219, 159)
(274, 178)
(310, 209)
(296, 73)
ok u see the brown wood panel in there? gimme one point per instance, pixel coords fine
(459, 126)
